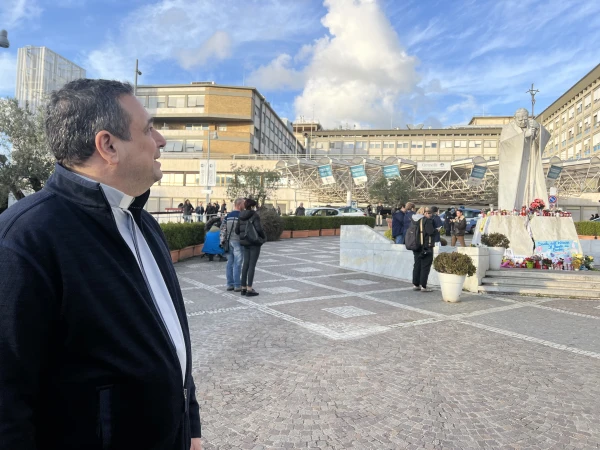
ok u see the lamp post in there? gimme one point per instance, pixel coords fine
(137, 72)
(215, 136)
(4, 39)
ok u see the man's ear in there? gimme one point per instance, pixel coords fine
(105, 144)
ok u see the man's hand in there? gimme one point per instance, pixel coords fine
(196, 444)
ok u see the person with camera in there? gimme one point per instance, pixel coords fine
(459, 228)
(423, 255)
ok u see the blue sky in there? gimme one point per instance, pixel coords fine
(369, 63)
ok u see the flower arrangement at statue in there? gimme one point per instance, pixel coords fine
(588, 262)
(546, 263)
(537, 205)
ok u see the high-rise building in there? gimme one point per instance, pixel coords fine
(39, 72)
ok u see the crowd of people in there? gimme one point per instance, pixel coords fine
(594, 217)
(210, 211)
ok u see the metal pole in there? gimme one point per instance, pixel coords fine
(208, 172)
(136, 75)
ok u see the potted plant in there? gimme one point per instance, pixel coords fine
(497, 244)
(529, 263)
(453, 268)
(546, 263)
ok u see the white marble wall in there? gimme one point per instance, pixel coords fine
(361, 248)
(591, 247)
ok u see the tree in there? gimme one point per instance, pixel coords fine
(391, 191)
(253, 182)
(29, 163)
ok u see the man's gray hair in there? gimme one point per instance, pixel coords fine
(239, 202)
(81, 109)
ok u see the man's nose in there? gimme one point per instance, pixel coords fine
(159, 139)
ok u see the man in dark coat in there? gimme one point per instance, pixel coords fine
(300, 211)
(94, 341)
(398, 225)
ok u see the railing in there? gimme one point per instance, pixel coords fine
(171, 216)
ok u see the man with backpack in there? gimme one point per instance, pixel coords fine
(420, 238)
(230, 241)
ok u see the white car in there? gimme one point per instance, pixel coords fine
(323, 212)
(350, 211)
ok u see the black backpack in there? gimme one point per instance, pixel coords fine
(412, 238)
(250, 236)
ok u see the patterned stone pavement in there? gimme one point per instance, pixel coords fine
(329, 358)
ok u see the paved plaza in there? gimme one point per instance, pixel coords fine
(330, 358)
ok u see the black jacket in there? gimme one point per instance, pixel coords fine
(397, 223)
(188, 209)
(242, 223)
(85, 360)
(379, 209)
(427, 237)
(300, 211)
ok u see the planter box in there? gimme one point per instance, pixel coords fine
(314, 233)
(328, 232)
(186, 253)
(174, 256)
(198, 249)
(300, 233)
(586, 238)
(338, 231)
(286, 234)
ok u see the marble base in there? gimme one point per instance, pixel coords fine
(362, 248)
(515, 229)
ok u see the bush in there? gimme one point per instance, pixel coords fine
(181, 235)
(454, 263)
(318, 222)
(495, 240)
(588, 228)
(272, 223)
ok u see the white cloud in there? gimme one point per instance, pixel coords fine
(193, 34)
(14, 12)
(352, 77)
(8, 74)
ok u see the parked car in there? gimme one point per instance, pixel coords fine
(350, 211)
(471, 216)
(323, 211)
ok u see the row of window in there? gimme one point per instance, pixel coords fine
(359, 145)
(194, 127)
(190, 179)
(171, 101)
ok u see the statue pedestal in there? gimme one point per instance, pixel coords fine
(535, 235)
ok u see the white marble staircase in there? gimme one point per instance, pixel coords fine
(551, 283)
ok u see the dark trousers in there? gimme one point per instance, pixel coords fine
(251, 254)
(422, 267)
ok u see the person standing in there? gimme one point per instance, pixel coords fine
(379, 211)
(423, 256)
(249, 218)
(398, 225)
(231, 240)
(369, 210)
(458, 231)
(223, 209)
(408, 213)
(300, 211)
(438, 224)
(200, 212)
(278, 210)
(188, 209)
(448, 221)
(96, 352)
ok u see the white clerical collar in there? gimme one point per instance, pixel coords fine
(116, 198)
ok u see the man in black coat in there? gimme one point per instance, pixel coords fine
(94, 342)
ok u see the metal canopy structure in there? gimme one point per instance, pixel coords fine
(448, 186)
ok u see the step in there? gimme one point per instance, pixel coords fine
(571, 275)
(557, 282)
(553, 292)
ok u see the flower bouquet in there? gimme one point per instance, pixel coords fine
(529, 262)
(546, 263)
(588, 262)
(537, 205)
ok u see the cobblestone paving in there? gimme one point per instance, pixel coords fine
(334, 359)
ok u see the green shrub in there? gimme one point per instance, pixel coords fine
(272, 223)
(454, 263)
(181, 235)
(495, 240)
(388, 234)
(288, 222)
(588, 228)
(319, 222)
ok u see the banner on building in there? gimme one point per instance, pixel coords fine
(359, 174)
(434, 166)
(391, 171)
(326, 174)
(554, 172)
(477, 175)
(208, 173)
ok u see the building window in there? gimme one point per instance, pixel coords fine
(579, 107)
(374, 144)
(446, 144)
(192, 179)
(157, 101)
(389, 144)
(349, 145)
(171, 179)
(143, 100)
(490, 144)
(416, 144)
(402, 144)
(361, 145)
(197, 126)
(474, 144)
(173, 146)
(193, 146)
(430, 144)
(256, 111)
(257, 132)
(222, 127)
(195, 101)
(176, 101)
(460, 144)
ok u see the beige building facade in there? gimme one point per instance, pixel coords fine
(573, 120)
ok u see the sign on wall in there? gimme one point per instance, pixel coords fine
(477, 175)
(551, 249)
(359, 174)
(326, 174)
(554, 172)
(433, 166)
(391, 171)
